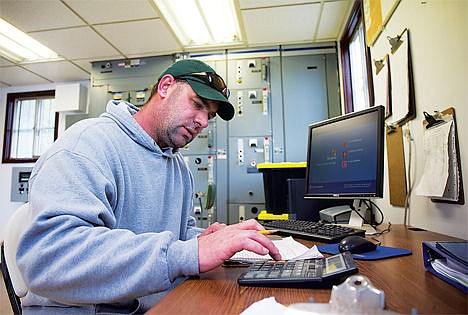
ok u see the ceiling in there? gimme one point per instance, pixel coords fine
(83, 31)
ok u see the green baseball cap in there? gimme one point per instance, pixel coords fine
(205, 82)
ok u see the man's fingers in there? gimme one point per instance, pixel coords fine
(250, 224)
(213, 228)
(263, 244)
(261, 249)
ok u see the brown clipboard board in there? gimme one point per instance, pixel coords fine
(454, 155)
(396, 166)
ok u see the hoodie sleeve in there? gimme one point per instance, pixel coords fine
(192, 229)
(73, 254)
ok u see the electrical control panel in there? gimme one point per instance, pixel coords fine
(244, 211)
(20, 184)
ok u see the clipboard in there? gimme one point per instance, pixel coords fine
(396, 166)
(452, 193)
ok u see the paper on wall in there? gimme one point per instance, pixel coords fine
(436, 161)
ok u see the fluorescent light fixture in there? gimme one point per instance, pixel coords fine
(202, 22)
(19, 47)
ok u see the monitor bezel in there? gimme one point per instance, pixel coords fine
(380, 155)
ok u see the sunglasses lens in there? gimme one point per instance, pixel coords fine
(218, 84)
(213, 79)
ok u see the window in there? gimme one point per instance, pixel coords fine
(30, 126)
(357, 71)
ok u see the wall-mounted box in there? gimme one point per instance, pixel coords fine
(71, 98)
(20, 184)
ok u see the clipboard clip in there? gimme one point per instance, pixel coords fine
(432, 120)
(390, 128)
(395, 42)
(379, 64)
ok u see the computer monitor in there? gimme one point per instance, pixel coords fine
(346, 156)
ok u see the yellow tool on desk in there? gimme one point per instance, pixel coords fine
(267, 232)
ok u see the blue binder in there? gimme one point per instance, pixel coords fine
(454, 253)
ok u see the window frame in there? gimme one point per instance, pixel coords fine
(350, 30)
(9, 118)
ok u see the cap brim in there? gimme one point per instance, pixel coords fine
(225, 110)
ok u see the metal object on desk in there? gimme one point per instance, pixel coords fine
(356, 295)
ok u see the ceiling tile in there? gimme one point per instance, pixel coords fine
(34, 15)
(4, 62)
(269, 3)
(19, 76)
(332, 19)
(105, 11)
(76, 43)
(139, 37)
(60, 71)
(86, 63)
(281, 25)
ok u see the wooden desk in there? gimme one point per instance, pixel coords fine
(404, 280)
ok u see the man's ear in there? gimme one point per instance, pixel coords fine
(164, 84)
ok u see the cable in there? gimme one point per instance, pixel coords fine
(380, 211)
(369, 207)
(359, 214)
(388, 229)
(201, 212)
(410, 187)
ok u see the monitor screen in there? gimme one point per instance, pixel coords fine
(345, 156)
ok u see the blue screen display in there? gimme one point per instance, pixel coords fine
(345, 156)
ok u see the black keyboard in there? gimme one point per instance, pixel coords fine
(310, 273)
(319, 231)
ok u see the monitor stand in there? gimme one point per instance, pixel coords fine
(356, 220)
(344, 215)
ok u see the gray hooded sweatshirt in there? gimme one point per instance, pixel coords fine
(112, 217)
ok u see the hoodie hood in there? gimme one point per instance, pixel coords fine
(122, 113)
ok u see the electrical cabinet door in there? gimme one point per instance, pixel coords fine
(305, 101)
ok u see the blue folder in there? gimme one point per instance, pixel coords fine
(454, 253)
(381, 252)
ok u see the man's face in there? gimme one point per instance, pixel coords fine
(183, 117)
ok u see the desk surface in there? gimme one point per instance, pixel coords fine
(404, 280)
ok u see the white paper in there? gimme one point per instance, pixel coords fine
(312, 252)
(451, 191)
(399, 73)
(289, 249)
(436, 161)
(266, 306)
(441, 266)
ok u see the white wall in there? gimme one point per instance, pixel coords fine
(439, 45)
(6, 206)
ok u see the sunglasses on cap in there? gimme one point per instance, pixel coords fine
(210, 78)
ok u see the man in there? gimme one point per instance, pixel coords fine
(112, 200)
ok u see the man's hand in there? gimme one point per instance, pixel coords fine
(224, 241)
(213, 228)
